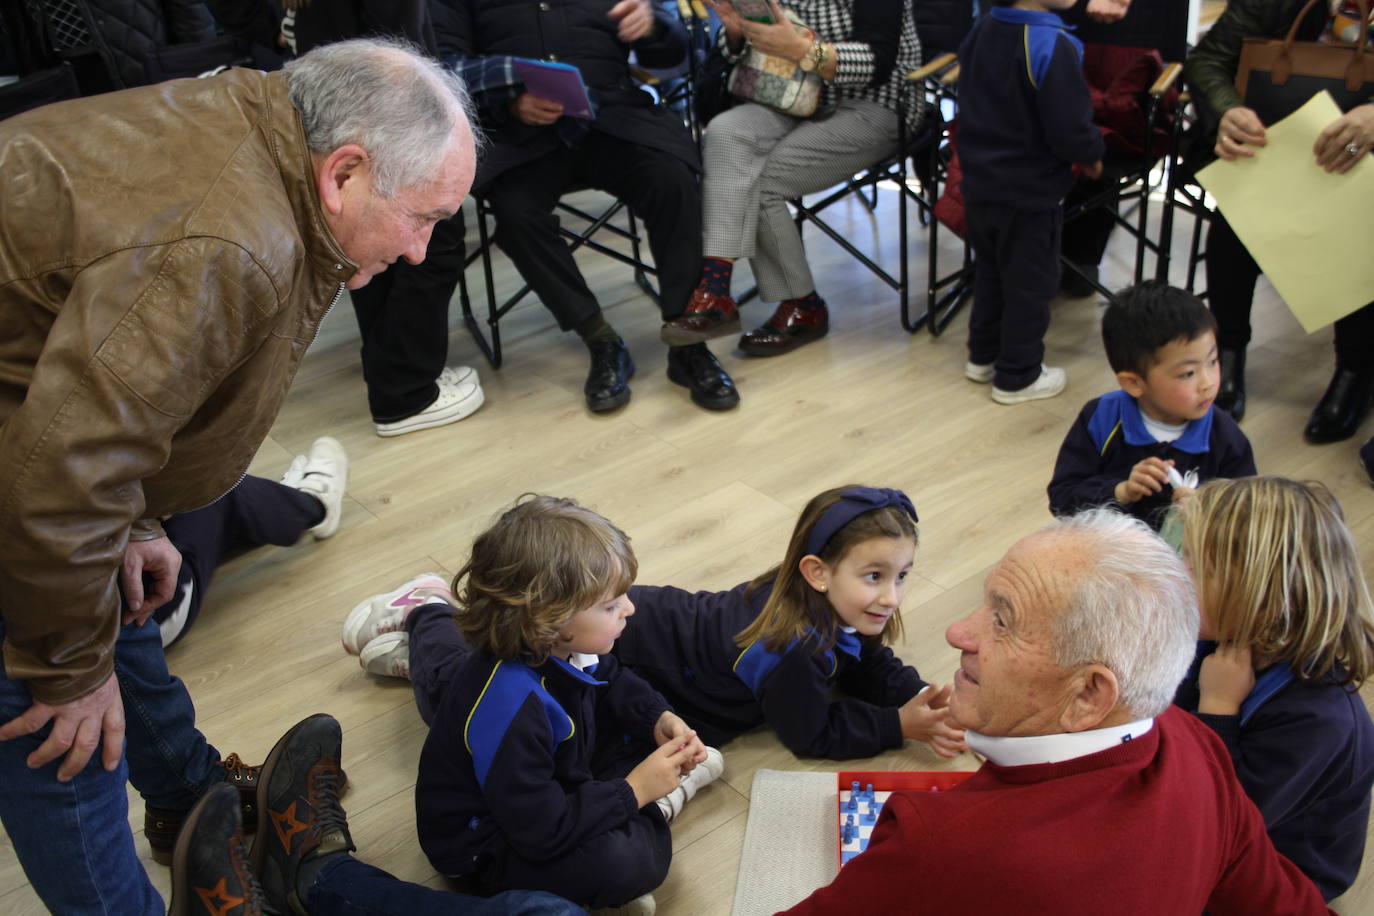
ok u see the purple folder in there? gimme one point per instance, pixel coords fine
(556, 82)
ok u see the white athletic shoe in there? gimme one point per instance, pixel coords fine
(460, 394)
(1050, 383)
(456, 375)
(703, 774)
(323, 473)
(386, 613)
(975, 372)
(388, 655)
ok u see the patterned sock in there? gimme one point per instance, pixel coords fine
(810, 302)
(596, 330)
(715, 275)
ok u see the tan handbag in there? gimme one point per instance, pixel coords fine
(1277, 76)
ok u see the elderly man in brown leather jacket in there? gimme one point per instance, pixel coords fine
(166, 256)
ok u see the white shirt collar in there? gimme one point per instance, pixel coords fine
(1016, 752)
(582, 661)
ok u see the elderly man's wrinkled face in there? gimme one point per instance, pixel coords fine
(1007, 684)
(376, 231)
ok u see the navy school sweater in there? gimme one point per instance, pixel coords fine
(508, 762)
(1304, 751)
(1109, 438)
(1025, 111)
(683, 643)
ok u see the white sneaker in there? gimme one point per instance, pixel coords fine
(386, 613)
(1050, 383)
(323, 473)
(643, 905)
(456, 375)
(703, 774)
(459, 397)
(975, 372)
(388, 655)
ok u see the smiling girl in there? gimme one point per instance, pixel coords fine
(771, 650)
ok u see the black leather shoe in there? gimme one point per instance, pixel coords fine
(695, 367)
(1231, 388)
(608, 380)
(1339, 412)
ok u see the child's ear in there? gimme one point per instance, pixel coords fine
(1131, 383)
(815, 572)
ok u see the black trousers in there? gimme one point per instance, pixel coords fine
(661, 188)
(403, 322)
(1016, 274)
(1231, 276)
(254, 513)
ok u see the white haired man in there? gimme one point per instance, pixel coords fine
(1097, 795)
(166, 256)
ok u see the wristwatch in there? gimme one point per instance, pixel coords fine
(815, 57)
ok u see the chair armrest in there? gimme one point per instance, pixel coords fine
(644, 77)
(1166, 80)
(934, 66)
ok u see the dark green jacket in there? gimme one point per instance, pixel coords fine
(1211, 68)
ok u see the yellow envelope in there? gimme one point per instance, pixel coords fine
(1307, 229)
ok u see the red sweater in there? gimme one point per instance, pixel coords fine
(1155, 826)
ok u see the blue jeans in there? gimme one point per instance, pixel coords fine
(73, 838)
(347, 887)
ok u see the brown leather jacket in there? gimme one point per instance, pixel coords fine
(164, 263)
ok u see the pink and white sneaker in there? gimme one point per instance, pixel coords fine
(387, 613)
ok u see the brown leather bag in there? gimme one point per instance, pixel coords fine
(1277, 76)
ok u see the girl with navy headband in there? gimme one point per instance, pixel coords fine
(771, 650)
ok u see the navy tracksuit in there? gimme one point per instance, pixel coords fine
(521, 780)
(1025, 116)
(683, 643)
(1109, 438)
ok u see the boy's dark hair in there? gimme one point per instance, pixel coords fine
(1003, 2)
(1145, 318)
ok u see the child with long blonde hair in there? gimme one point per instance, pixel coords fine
(771, 650)
(1288, 640)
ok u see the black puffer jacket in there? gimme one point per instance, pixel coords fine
(123, 33)
(577, 32)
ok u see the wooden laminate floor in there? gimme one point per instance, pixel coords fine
(708, 498)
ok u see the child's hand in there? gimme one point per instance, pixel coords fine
(1147, 478)
(925, 717)
(670, 728)
(1093, 171)
(1226, 679)
(1183, 494)
(659, 773)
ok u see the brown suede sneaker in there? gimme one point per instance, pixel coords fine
(210, 873)
(162, 826)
